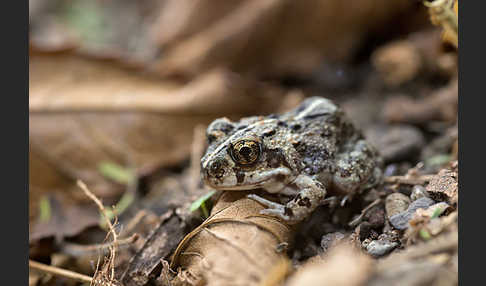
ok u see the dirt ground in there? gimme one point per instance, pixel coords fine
(121, 94)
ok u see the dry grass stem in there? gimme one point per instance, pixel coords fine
(409, 180)
(357, 220)
(59, 272)
(101, 277)
(74, 249)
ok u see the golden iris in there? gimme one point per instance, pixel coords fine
(245, 152)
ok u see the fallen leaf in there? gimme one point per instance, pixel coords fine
(85, 112)
(66, 220)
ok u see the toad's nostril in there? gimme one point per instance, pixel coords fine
(215, 166)
(216, 169)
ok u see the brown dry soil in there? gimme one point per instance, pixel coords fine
(121, 93)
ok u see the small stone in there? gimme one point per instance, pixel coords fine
(331, 239)
(418, 192)
(396, 203)
(379, 248)
(396, 143)
(400, 220)
(376, 217)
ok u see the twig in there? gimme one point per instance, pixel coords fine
(74, 249)
(114, 245)
(59, 271)
(408, 180)
(363, 212)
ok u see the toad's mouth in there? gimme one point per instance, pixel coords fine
(237, 187)
(250, 181)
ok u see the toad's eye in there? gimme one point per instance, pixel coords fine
(245, 152)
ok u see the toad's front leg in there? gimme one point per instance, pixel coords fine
(311, 194)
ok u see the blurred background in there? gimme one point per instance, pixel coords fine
(121, 92)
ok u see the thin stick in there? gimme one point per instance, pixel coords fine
(74, 249)
(108, 222)
(420, 180)
(59, 271)
(363, 212)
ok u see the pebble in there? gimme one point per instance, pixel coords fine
(418, 192)
(396, 143)
(375, 216)
(379, 248)
(396, 203)
(330, 240)
(400, 220)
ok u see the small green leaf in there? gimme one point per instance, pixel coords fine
(438, 160)
(44, 209)
(201, 203)
(437, 212)
(204, 210)
(424, 234)
(116, 173)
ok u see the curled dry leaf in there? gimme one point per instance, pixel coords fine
(343, 265)
(234, 246)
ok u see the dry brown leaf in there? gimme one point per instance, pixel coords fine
(44, 177)
(267, 37)
(271, 37)
(66, 219)
(343, 265)
(234, 246)
(179, 19)
(101, 29)
(84, 112)
(223, 41)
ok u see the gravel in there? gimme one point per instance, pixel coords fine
(400, 220)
